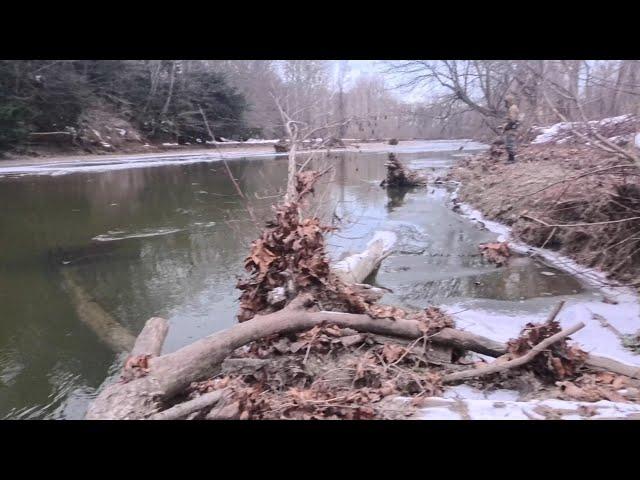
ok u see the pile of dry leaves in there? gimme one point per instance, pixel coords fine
(289, 257)
(496, 252)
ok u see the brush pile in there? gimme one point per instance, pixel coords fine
(399, 176)
(558, 362)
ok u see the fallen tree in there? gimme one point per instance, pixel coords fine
(168, 375)
(356, 268)
(91, 313)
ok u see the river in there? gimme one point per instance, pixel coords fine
(169, 239)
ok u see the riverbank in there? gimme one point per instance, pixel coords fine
(209, 153)
(575, 200)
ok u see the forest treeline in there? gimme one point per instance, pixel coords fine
(99, 104)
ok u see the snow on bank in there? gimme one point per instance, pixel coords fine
(63, 168)
(617, 129)
(595, 338)
(252, 141)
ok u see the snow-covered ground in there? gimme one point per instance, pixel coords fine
(561, 132)
(467, 403)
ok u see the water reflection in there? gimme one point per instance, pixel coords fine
(396, 197)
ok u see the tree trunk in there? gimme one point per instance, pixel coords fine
(356, 268)
(172, 80)
(109, 330)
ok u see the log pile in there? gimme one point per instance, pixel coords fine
(396, 357)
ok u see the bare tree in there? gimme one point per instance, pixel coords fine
(298, 132)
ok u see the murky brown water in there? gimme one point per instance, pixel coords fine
(170, 241)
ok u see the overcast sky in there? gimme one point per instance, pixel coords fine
(364, 67)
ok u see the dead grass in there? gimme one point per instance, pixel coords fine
(562, 185)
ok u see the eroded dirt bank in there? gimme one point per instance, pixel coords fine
(576, 200)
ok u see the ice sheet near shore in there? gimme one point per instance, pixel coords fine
(123, 162)
(64, 168)
(595, 337)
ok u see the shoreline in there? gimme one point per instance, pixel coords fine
(618, 306)
(49, 164)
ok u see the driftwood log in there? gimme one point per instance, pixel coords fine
(187, 408)
(170, 374)
(356, 268)
(107, 328)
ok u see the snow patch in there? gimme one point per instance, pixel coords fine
(437, 408)
(561, 132)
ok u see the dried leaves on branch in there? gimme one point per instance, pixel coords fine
(558, 362)
(328, 371)
(289, 255)
(496, 252)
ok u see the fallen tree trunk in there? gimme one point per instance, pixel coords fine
(356, 268)
(170, 374)
(151, 338)
(108, 329)
(609, 365)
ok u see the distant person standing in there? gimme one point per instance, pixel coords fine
(511, 127)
